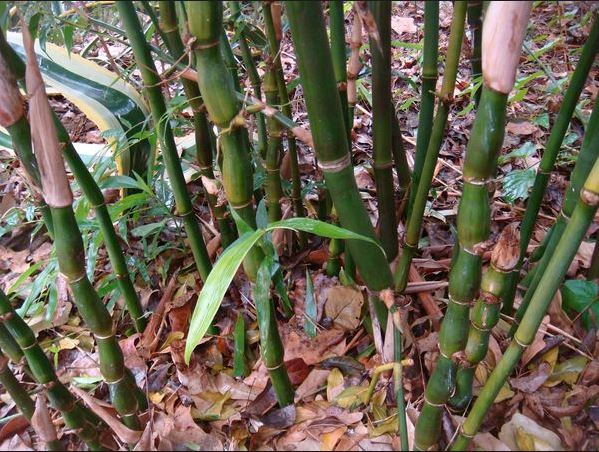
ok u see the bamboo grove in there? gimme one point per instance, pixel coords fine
(211, 50)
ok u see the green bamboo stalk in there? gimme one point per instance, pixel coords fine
(475, 12)
(165, 135)
(69, 244)
(330, 142)
(588, 155)
(274, 192)
(240, 367)
(202, 131)
(13, 119)
(398, 381)
(271, 346)
(93, 194)
(250, 67)
(9, 346)
(75, 415)
(485, 313)
(353, 68)
(217, 88)
(430, 56)
(569, 242)
(273, 35)
(552, 148)
(382, 123)
(593, 273)
(404, 175)
(474, 211)
(415, 218)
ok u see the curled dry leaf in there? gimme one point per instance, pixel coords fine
(522, 433)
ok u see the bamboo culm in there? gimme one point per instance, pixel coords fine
(552, 148)
(274, 192)
(75, 415)
(218, 92)
(330, 141)
(474, 211)
(475, 12)
(586, 158)
(153, 93)
(415, 218)
(430, 55)
(382, 127)
(583, 214)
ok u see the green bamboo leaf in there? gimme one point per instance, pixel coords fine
(216, 286)
(310, 307)
(239, 363)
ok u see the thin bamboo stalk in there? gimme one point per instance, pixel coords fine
(274, 192)
(587, 157)
(430, 56)
(274, 35)
(250, 67)
(217, 88)
(593, 273)
(475, 12)
(165, 136)
(583, 214)
(94, 195)
(69, 244)
(414, 224)
(75, 415)
(552, 148)
(382, 124)
(202, 131)
(330, 141)
(474, 212)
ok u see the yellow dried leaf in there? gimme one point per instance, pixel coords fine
(68, 343)
(334, 384)
(330, 439)
(156, 397)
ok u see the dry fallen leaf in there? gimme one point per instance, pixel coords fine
(522, 433)
(403, 25)
(520, 128)
(343, 306)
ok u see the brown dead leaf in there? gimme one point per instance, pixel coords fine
(533, 381)
(41, 420)
(312, 351)
(330, 439)
(313, 382)
(520, 128)
(402, 25)
(343, 306)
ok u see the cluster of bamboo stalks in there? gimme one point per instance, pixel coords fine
(224, 136)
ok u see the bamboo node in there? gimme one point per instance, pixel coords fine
(334, 166)
(193, 44)
(241, 206)
(461, 303)
(382, 166)
(465, 435)
(278, 366)
(436, 405)
(27, 347)
(74, 279)
(520, 343)
(589, 197)
(566, 216)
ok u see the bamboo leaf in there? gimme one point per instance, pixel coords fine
(310, 307)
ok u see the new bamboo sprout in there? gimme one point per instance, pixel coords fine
(583, 214)
(473, 222)
(69, 245)
(414, 224)
(165, 135)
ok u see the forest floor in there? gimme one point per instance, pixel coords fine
(551, 399)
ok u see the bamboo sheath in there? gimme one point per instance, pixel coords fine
(552, 148)
(75, 415)
(473, 221)
(165, 135)
(202, 131)
(330, 139)
(91, 191)
(582, 216)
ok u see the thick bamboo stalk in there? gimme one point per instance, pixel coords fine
(217, 88)
(552, 148)
(165, 136)
(473, 222)
(404, 175)
(202, 131)
(475, 12)
(382, 125)
(69, 245)
(330, 141)
(583, 214)
(75, 415)
(485, 313)
(587, 157)
(430, 55)
(274, 35)
(414, 224)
